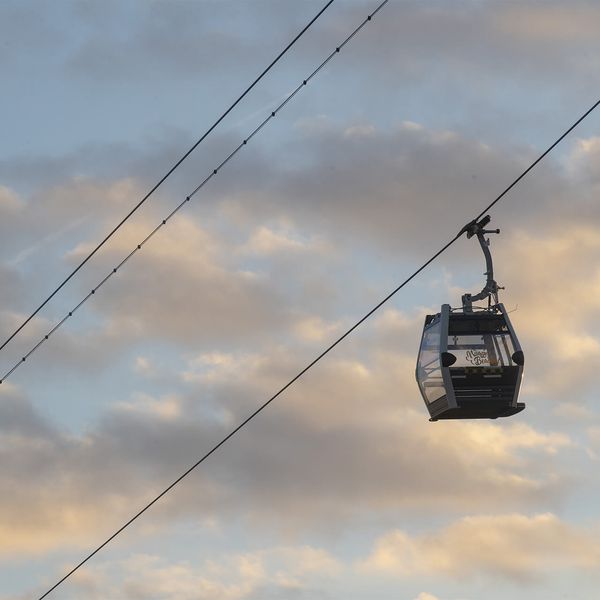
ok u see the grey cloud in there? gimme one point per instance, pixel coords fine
(403, 189)
(20, 418)
(414, 37)
(355, 187)
(31, 174)
(269, 573)
(349, 440)
(185, 287)
(585, 167)
(345, 433)
(12, 287)
(342, 444)
(352, 440)
(504, 547)
(494, 41)
(553, 276)
(180, 39)
(75, 484)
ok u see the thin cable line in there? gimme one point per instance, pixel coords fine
(168, 174)
(296, 377)
(540, 157)
(254, 414)
(214, 172)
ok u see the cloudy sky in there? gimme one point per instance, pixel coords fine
(342, 488)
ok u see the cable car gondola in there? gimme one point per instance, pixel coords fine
(470, 362)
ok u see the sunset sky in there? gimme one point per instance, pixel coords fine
(342, 488)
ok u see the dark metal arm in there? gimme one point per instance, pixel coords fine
(490, 291)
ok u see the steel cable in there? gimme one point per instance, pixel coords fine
(212, 173)
(165, 177)
(299, 374)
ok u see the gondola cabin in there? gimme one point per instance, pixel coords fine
(470, 364)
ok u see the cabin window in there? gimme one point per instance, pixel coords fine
(482, 350)
(429, 373)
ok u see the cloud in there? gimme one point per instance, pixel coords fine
(494, 42)
(34, 234)
(275, 573)
(28, 252)
(271, 242)
(219, 288)
(346, 438)
(244, 287)
(506, 547)
(212, 29)
(552, 22)
(205, 31)
(428, 114)
(9, 201)
(583, 164)
(317, 329)
(180, 288)
(593, 434)
(351, 439)
(345, 431)
(401, 189)
(556, 322)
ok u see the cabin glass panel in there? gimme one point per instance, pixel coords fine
(429, 372)
(482, 350)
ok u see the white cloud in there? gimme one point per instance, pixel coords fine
(316, 329)
(572, 410)
(554, 277)
(549, 23)
(273, 572)
(225, 287)
(168, 407)
(271, 242)
(513, 547)
(353, 432)
(9, 200)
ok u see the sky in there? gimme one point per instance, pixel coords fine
(342, 488)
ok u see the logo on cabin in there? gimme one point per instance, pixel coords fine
(478, 357)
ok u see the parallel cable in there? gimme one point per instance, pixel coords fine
(168, 174)
(301, 373)
(214, 172)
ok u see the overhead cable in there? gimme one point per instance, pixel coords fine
(535, 162)
(166, 176)
(212, 173)
(307, 367)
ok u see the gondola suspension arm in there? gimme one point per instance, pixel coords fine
(490, 291)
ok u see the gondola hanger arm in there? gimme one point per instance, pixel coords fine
(490, 290)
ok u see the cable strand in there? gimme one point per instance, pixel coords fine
(167, 175)
(314, 361)
(208, 177)
(306, 368)
(251, 416)
(539, 158)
